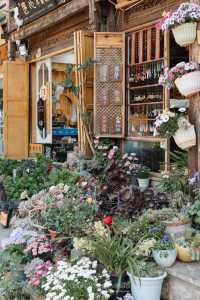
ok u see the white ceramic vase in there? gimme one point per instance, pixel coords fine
(147, 288)
(189, 84)
(165, 258)
(185, 34)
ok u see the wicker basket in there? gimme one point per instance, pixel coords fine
(185, 34)
(185, 138)
(189, 84)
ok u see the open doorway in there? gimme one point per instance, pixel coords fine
(56, 109)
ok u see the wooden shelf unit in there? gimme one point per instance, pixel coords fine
(145, 58)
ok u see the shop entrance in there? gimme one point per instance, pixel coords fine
(56, 109)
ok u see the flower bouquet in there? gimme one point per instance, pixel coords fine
(183, 23)
(186, 77)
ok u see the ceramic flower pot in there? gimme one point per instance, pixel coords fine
(187, 254)
(189, 84)
(185, 34)
(147, 288)
(185, 138)
(143, 183)
(165, 258)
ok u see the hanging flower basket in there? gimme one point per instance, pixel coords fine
(185, 138)
(185, 34)
(185, 76)
(182, 22)
(189, 84)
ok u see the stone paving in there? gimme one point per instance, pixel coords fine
(4, 233)
(183, 282)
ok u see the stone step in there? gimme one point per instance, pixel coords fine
(183, 282)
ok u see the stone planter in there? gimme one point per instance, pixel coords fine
(165, 258)
(147, 288)
(189, 84)
(185, 34)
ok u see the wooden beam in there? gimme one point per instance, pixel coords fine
(52, 18)
(122, 4)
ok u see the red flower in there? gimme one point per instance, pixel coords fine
(108, 220)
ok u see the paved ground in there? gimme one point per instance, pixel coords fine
(4, 233)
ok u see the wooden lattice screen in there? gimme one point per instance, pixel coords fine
(109, 110)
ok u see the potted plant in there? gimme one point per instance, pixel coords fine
(142, 175)
(164, 252)
(186, 77)
(176, 125)
(113, 252)
(146, 280)
(183, 23)
(177, 222)
(188, 246)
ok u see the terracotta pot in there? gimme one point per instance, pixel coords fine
(185, 34)
(189, 84)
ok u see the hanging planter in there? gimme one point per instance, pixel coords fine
(185, 76)
(183, 23)
(176, 125)
(189, 84)
(185, 138)
(185, 34)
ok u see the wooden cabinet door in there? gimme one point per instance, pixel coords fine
(16, 113)
(109, 84)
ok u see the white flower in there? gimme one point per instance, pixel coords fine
(182, 109)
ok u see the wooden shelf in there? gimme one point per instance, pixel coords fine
(145, 86)
(145, 139)
(145, 103)
(145, 62)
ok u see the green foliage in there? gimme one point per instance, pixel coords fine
(113, 252)
(142, 173)
(179, 159)
(63, 176)
(194, 212)
(168, 129)
(144, 229)
(175, 180)
(72, 219)
(7, 166)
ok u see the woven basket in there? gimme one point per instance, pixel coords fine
(185, 138)
(185, 34)
(189, 84)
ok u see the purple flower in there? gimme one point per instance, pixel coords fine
(166, 238)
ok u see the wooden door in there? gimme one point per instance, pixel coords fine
(84, 50)
(16, 113)
(109, 84)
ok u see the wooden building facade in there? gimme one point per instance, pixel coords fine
(123, 38)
